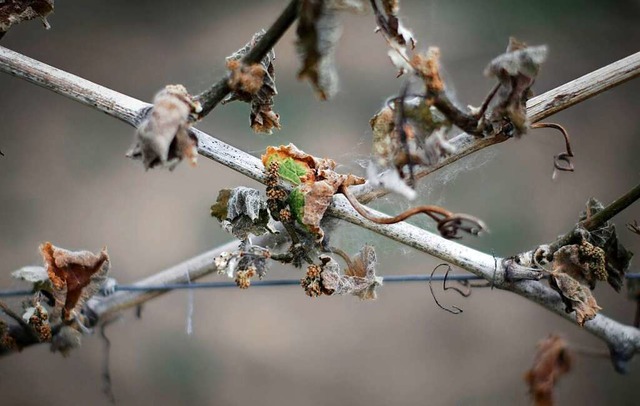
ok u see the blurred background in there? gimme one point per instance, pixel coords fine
(64, 178)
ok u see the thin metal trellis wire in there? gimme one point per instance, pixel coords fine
(274, 282)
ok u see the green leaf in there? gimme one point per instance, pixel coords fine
(290, 169)
(296, 202)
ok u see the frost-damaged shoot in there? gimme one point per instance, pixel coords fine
(288, 223)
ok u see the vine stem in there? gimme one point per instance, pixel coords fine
(621, 338)
(598, 219)
(210, 98)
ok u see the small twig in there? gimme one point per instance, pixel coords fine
(634, 228)
(621, 203)
(464, 121)
(210, 98)
(487, 101)
(599, 219)
(26, 334)
(7, 310)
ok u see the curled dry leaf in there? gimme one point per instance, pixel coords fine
(553, 359)
(318, 32)
(255, 85)
(244, 264)
(316, 183)
(427, 66)
(575, 296)
(406, 133)
(163, 138)
(391, 26)
(516, 70)
(242, 211)
(16, 11)
(359, 279)
(75, 275)
(583, 262)
(618, 258)
(399, 38)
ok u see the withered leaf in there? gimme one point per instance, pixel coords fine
(359, 278)
(575, 296)
(242, 211)
(256, 85)
(16, 11)
(163, 138)
(516, 70)
(75, 275)
(244, 264)
(618, 258)
(583, 262)
(423, 143)
(36, 275)
(391, 26)
(318, 32)
(316, 182)
(553, 359)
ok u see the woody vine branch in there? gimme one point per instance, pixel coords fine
(624, 338)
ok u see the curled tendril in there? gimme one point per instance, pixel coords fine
(562, 161)
(465, 291)
(634, 228)
(453, 309)
(449, 224)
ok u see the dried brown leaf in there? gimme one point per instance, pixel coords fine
(359, 278)
(516, 70)
(576, 297)
(618, 258)
(163, 138)
(318, 32)
(553, 359)
(75, 275)
(256, 85)
(244, 264)
(16, 11)
(583, 262)
(427, 66)
(391, 26)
